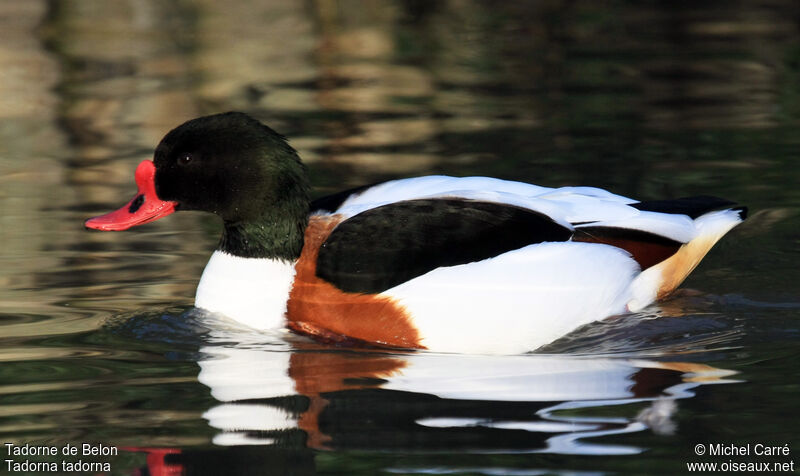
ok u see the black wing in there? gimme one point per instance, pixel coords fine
(388, 245)
(692, 206)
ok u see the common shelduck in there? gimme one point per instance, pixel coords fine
(473, 264)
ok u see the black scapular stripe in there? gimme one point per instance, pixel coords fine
(692, 206)
(388, 245)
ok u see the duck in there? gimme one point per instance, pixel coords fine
(436, 263)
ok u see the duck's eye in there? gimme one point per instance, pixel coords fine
(185, 159)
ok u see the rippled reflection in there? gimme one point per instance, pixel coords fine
(500, 404)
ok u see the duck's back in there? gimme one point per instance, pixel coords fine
(485, 265)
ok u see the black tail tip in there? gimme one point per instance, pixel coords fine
(742, 212)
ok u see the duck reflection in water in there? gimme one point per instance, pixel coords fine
(282, 391)
(370, 400)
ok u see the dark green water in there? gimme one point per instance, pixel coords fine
(98, 340)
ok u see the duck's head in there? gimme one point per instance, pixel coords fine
(227, 164)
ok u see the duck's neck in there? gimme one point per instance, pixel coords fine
(251, 273)
(274, 231)
(276, 238)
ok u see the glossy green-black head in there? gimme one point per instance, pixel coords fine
(231, 165)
